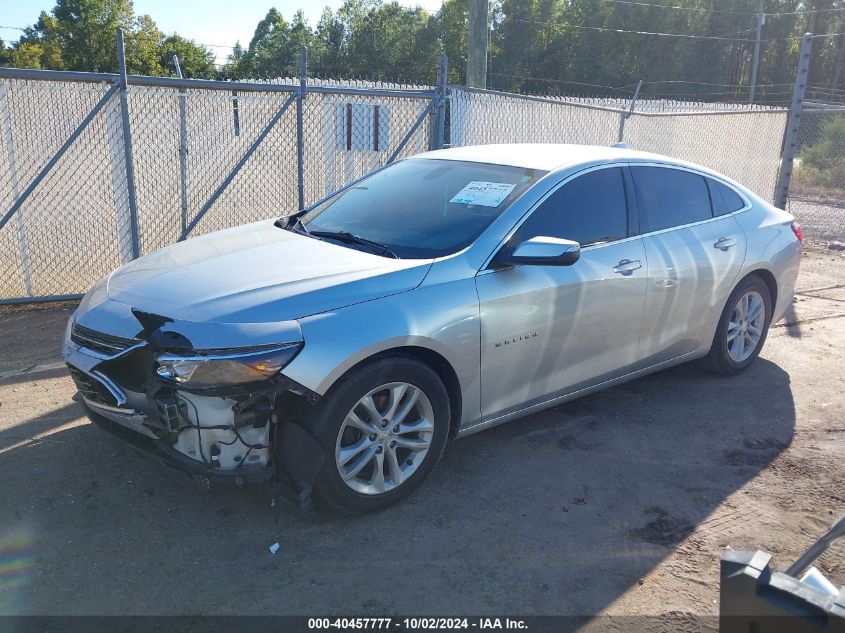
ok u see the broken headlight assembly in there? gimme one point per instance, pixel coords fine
(219, 368)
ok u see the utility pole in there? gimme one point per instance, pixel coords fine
(761, 20)
(477, 59)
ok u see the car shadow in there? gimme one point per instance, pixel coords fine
(557, 513)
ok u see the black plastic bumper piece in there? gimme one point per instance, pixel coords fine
(300, 454)
(161, 453)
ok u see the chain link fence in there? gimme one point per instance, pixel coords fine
(207, 155)
(744, 144)
(817, 191)
(741, 141)
(77, 213)
(204, 156)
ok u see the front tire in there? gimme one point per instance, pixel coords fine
(382, 430)
(742, 329)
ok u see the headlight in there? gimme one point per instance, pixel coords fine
(230, 367)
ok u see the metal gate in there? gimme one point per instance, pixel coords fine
(97, 169)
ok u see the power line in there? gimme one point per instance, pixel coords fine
(610, 30)
(798, 37)
(780, 13)
(666, 6)
(705, 83)
(681, 35)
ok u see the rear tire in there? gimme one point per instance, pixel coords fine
(382, 430)
(742, 329)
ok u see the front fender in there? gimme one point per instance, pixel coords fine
(443, 318)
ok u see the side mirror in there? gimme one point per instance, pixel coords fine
(542, 251)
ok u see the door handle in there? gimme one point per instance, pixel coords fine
(627, 267)
(724, 243)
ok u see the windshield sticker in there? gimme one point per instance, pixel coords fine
(485, 194)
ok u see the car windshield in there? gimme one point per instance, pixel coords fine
(421, 208)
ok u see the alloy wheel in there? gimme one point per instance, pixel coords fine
(384, 438)
(745, 327)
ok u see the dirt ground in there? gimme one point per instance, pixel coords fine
(620, 503)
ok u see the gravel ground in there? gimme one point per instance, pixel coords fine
(822, 221)
(620, 503)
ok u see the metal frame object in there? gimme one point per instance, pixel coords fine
(793, 124)
(626, 114)
(127, 148)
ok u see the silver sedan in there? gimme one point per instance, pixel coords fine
(340, 348)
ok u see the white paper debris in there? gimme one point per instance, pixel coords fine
(485, 194)
(274, 548)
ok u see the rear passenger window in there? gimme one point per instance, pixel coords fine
(589, 209)
(670, 197)
(725, 200)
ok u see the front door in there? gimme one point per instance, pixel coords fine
(550, 330)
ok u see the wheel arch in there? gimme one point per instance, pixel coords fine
(434, 360)
(768, 279)
(759, 271)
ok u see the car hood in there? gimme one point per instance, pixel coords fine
(258, 273)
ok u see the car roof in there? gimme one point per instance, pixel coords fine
(546, 156)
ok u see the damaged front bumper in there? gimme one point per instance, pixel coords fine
(159, 452)
(224, 433)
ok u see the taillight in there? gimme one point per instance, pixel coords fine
(796, 228)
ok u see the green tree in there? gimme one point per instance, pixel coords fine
(82, 35)
(194, 60)
(385, 41)
(452, 23)
(143, 48)
(571, 46)
(84, 31)
(266, 51)
(329, 43)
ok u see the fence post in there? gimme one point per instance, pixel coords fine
(625, 115)
(183, 146)
(6, 122)
(437, 136)
(127, 147)
(300, 164)
(117, 161)
(793, 123)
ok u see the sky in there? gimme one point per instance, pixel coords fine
(220, 23)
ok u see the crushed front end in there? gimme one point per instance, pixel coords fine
(206, 398)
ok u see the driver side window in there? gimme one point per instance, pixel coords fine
(589, 209)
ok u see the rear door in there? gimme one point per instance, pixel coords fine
(549, 330)
(695, 250)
